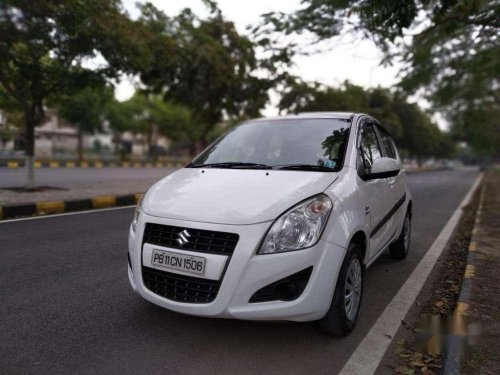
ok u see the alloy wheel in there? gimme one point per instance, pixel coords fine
(352, 291)
(407, 233)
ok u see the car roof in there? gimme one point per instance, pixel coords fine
(310, 115)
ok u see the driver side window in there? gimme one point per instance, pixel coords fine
(369, 147)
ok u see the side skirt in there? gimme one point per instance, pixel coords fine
(385, 247)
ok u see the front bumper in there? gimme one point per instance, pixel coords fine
(247, 272)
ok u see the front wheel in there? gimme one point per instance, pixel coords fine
(399, 249)
(342, 316)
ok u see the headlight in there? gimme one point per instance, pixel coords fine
(298, 228)
(137, 212)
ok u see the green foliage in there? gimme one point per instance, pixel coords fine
(175, 121)
(306, 97)
(86, 108)
(453, 59)
(411, 127)
(381, 20)
(147, 114)
(43, 44)
(13, 114)
(141, 112)
(120, 116)
(203, 64)
(456, 61)
(13, 118)
(480, 127)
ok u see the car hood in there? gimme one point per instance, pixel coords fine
(232, 196)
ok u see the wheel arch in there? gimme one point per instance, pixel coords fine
(409, 207)
(360, 238)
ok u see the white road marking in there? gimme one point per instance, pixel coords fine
(66, 214)
(367, 356)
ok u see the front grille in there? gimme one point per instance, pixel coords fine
(286, 289)
(180, 288)
(204, 241)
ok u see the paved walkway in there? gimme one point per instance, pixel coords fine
(85, 184)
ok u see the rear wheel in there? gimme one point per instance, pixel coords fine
(342, 316)
(400, 248)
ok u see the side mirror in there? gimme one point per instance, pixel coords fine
(383, 168)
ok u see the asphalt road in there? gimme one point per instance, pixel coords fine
(62, 177)
(66, 306)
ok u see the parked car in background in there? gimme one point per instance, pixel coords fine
(277, 220)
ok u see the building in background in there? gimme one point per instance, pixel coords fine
(57, 138)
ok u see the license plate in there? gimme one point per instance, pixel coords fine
(179, 262)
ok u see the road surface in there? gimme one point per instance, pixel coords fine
(66, 306)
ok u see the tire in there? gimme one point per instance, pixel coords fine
(339, 320)
(399, 249)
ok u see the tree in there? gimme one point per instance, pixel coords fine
(305, 97)
(480, 128)
(13, 118)
(150, 115)
(421, 137)
(212, 69)
(86, 109)
(43, 44)
(456, 61)
(176, 122)
(453, 59)
(412, 128)
(120, 117)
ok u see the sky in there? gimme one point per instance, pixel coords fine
(356, 60)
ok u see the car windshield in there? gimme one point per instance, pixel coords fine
(295, 144)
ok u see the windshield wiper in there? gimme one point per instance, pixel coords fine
(240, 165)
(304, 167)
(229, 165)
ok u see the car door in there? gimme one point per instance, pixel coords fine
(397, 183)
(379, 190)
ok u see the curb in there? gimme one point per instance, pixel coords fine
(368, 355)
(454, 343)
(57, 207)
(92, 164)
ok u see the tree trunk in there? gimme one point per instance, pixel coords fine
(149, 141)
(117, 140)
(29, 149)
(80, 145)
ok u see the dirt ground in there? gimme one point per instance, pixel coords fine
(484, 357)
(410, 352)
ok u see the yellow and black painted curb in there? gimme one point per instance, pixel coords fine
(94, 164)
(59, 206)
(454, 342)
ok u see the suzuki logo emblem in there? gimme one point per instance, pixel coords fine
(183, 237)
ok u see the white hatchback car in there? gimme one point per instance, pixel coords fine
(276, 220)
